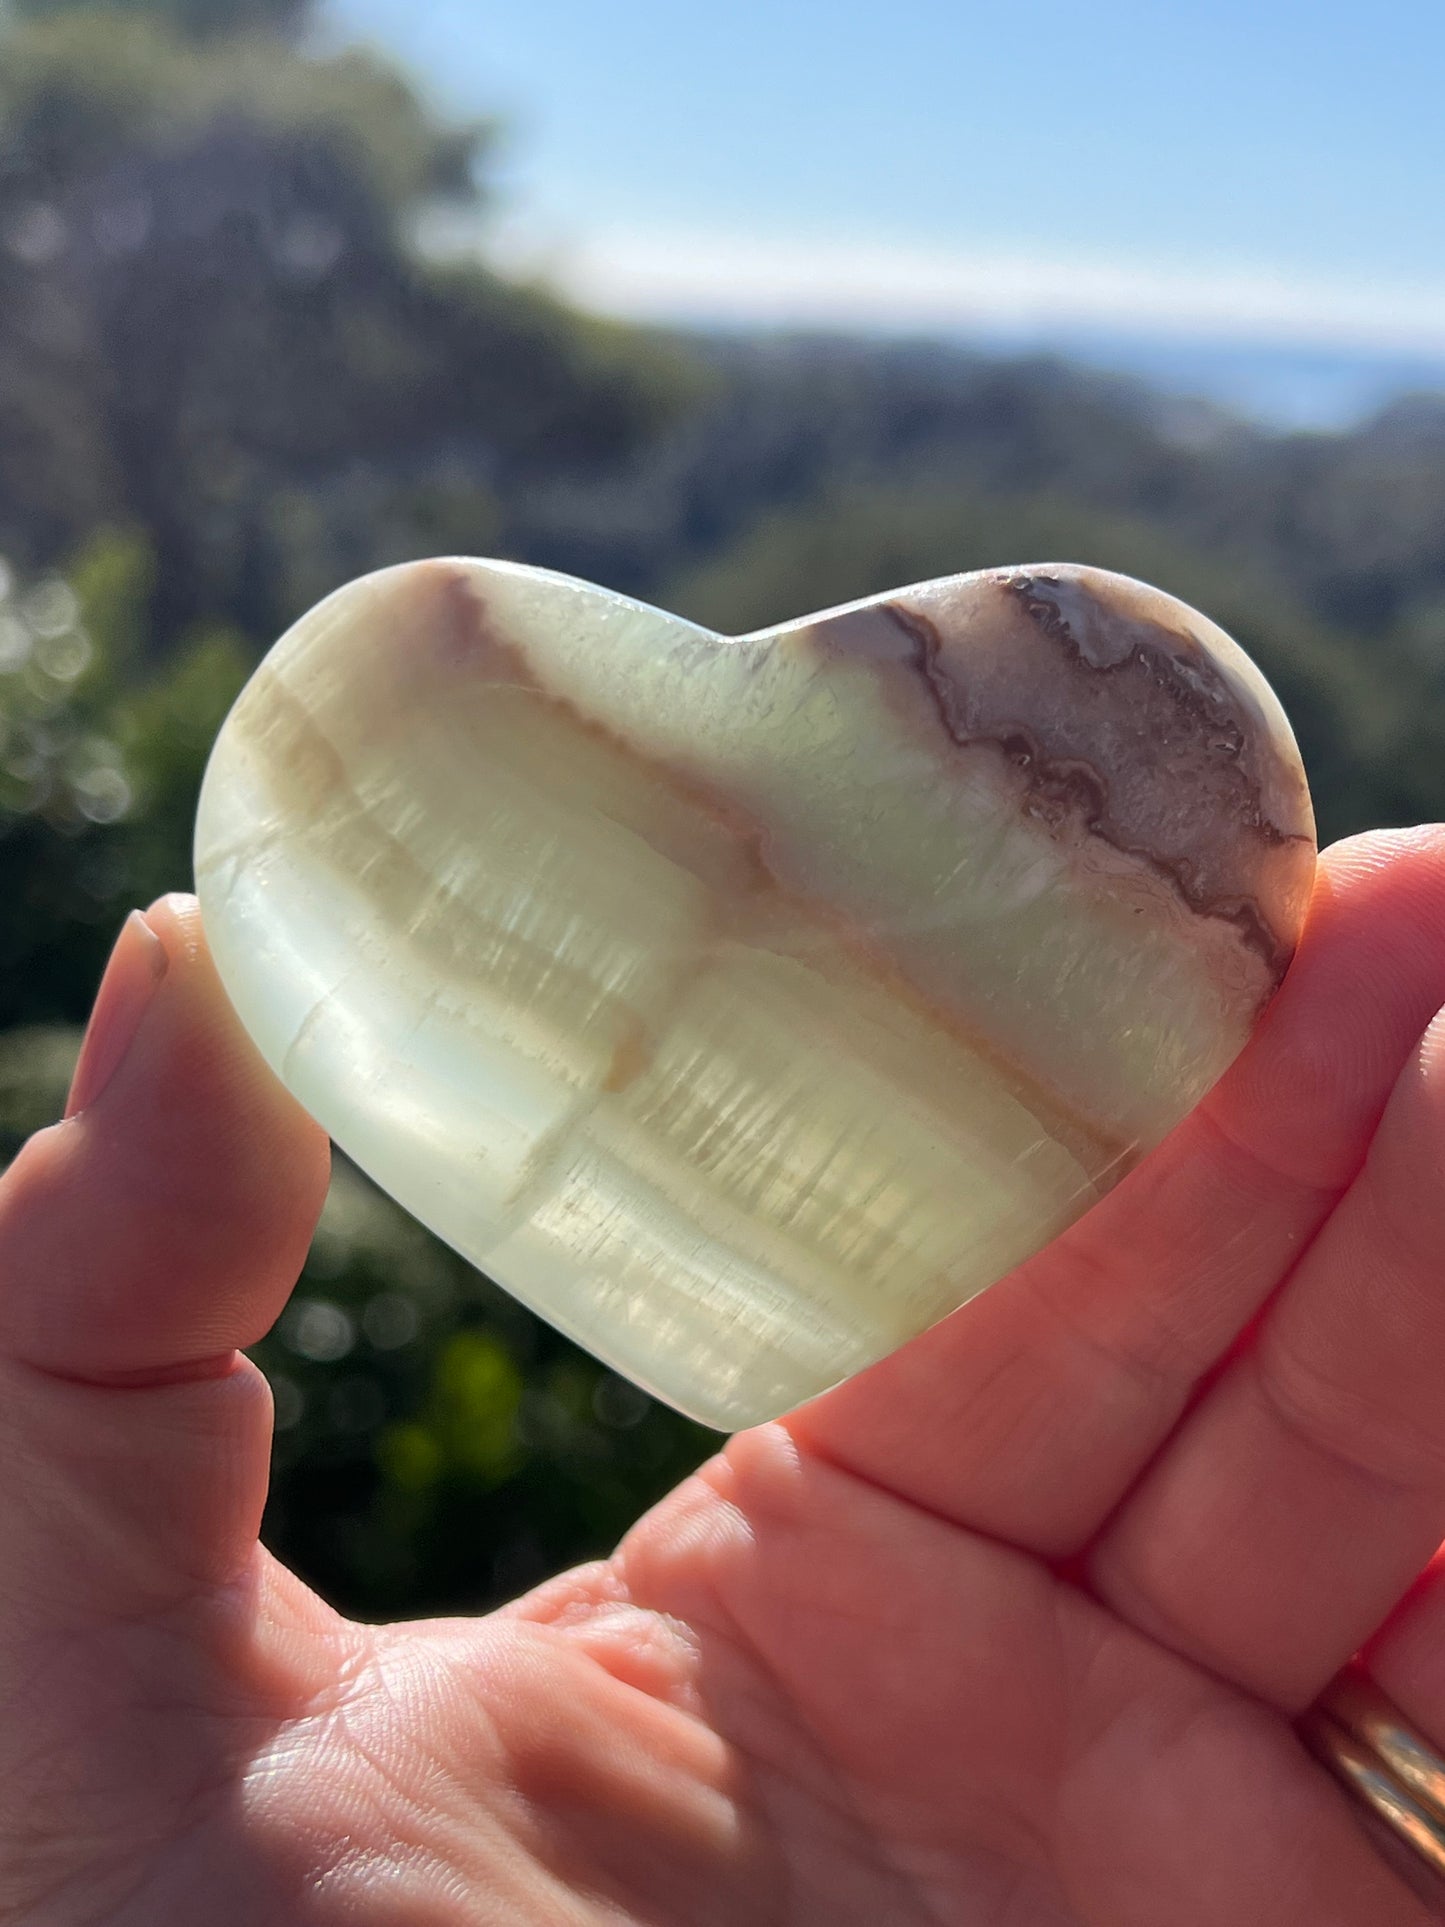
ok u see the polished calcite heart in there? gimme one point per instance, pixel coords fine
(743, 1006)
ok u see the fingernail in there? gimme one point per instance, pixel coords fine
(136, 966)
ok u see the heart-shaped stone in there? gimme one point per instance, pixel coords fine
(746, 1005)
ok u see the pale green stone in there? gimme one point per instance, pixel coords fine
(744, 1006)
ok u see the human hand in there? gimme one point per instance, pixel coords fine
(1010, 1631)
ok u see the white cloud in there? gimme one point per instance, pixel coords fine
(688, 276)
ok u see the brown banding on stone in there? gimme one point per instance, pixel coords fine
(1063, 790)
(465, 636)
(1121, 724)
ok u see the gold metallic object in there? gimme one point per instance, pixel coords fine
(1368, 1744)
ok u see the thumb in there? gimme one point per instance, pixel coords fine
(143, 1240)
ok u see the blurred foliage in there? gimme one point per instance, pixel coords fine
(86, 89)
(214, 323)
(99, 767)
(204, 18)
(236, 368)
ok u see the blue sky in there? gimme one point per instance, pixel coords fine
(1248, 171)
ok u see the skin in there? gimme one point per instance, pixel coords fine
(1010, 1631)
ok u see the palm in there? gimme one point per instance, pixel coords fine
(1009, 1630)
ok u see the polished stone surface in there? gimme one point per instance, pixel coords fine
(744, 1006)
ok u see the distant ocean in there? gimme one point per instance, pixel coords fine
(1281, 386)
(1279, 383)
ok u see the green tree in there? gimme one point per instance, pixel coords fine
(215, 324)
(208, 19)
(99, 767)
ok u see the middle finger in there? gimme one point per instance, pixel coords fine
(1307, 1489)
(1031, 1411)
